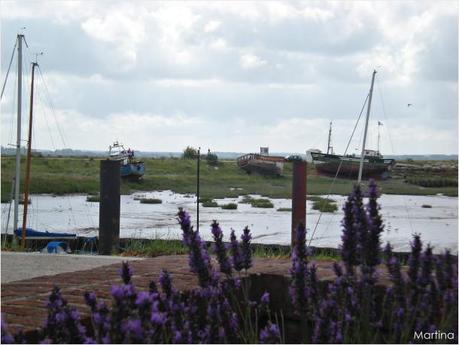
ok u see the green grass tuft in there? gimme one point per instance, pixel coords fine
(262, 203)
(284, 209)
(151, 201)
(324, 204)
(209, 204)
(230, 206)
(93, 198)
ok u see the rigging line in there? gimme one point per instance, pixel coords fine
(41, 98)
(8, 71)
(339, 167)
(52, 106)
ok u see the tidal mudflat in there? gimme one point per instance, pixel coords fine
(403, 216)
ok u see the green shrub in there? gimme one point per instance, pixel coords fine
(324, 205)
(230, 206)
(262, 203)
(426, 206)
(212, 159)
(190, 153)
(209, 204)
(284, 209)
(93, 198)
(151, 201)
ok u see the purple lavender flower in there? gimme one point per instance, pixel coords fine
(132, 331)
(270, 334)
(414, 259)
(375, 227)
(126, 272)
(223, 260)
(7, 338)
(236, 252)
(264, 300)
(298, 290)
(199, 259)
(165, 282)
(246, 252)
(349, 238)
(63, 323)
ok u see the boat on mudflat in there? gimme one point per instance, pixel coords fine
(370, 163)
(130, 166)
(261, 163)
(374, 164)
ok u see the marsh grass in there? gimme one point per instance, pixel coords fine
(54, 175)
(323, 204)
(262, 203)
(230, 206)
(151, 201)
(93, 198)
(284, 209)
(210, 204)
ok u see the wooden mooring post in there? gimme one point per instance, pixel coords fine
(298, 196)
(109, 208)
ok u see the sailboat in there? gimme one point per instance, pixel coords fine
(370, 163)
(24, 232)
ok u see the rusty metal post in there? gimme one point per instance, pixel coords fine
(109, 207)
(298, 196)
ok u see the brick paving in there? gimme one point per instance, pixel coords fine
(23, 302)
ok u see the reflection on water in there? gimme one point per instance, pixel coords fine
(403, 215)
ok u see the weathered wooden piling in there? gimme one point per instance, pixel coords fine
(109, 208)
(298, 196)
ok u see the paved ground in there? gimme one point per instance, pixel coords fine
(19, 266)
(23, 302)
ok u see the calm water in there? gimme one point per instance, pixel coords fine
(402, 215)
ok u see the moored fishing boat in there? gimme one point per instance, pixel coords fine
(130, 166)
(370, 163)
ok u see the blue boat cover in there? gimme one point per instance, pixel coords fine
(30, 233)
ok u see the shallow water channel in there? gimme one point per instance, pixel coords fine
(403, 215)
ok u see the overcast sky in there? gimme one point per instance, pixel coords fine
(233, 76)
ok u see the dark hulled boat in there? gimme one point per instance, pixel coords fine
(374, 164)
(370, 163)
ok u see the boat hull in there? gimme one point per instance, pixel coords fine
(260, 164)
(30, 234)
(132, 170)
(348, 166)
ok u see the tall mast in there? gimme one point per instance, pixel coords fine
(362, 156)
(329, 140)
(379, 124)
(29, 157)
(17, 175)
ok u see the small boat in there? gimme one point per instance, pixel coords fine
(369, 164)
(130, 167)
(42, 235)
(261, 163)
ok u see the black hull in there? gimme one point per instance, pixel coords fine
(378, 168)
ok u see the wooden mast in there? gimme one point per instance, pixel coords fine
(29, 158)
(362, 157)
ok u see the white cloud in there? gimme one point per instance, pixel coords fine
(249, 61)
(211, 26)
(204, 60)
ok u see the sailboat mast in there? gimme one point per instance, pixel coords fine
(18, 139)
(329, 139)
(362, 157)
(29, 158)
